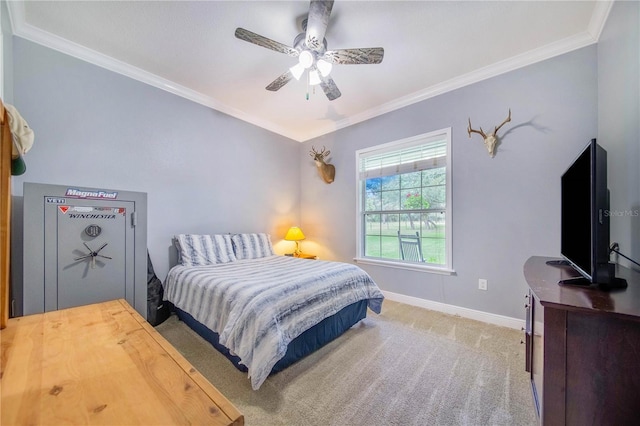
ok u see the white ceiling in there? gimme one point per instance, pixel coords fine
(189, 48)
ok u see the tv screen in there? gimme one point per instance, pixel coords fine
(585, 215)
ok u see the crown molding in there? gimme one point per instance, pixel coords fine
(589, 37)
(528, 58)
(599, 18)
(21, 29)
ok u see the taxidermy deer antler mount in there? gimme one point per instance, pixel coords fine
(327, 171)
(491, 139)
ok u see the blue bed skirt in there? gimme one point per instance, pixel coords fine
(309, 341)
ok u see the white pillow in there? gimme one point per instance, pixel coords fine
(252, 246)
(201, 250)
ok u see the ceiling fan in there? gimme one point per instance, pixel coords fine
(310, 47)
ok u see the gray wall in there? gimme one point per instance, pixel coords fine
(203, 171)
(7, 55)
(207, 172)
(619, 121)
(505, 209)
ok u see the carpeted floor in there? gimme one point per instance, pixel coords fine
(407, 366)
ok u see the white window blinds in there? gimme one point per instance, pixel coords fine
(415, 154)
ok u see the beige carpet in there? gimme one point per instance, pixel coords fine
(407, 366)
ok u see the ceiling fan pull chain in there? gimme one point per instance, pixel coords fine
(307, 85)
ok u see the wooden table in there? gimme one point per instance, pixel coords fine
(101, 364)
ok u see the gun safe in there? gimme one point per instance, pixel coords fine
(82, 246)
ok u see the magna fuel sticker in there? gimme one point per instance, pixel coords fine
(99, 195)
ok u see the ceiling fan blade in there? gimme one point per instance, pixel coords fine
(259, 40)
(319, 12)
(330, 88)
(365, 55)
(280, 81)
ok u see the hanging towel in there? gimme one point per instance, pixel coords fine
(22, 136)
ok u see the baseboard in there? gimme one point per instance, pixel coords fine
(487, 317)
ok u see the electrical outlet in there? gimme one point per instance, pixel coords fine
(482, 284)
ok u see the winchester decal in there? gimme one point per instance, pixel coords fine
(97, 195)
(91, 216)
(84, 212)
(87, 212)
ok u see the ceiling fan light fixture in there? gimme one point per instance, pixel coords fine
(324, 67)
(310, 47)
(297, 70)
(305, 59)
(314, 77)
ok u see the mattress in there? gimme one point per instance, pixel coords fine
(258, 307)
(306, 343)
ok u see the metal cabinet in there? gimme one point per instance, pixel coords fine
(82, 246)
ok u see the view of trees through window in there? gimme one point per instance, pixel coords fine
(409, 203)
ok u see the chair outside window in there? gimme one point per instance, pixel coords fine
(410, 247)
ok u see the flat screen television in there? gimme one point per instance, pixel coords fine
(585, 219)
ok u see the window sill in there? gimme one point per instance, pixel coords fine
(403, 265)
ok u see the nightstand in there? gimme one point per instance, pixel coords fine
(303, 256)
(307, 256)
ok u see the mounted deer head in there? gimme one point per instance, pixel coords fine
(491, 139)
(326, 171)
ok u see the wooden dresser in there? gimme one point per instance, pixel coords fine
(101, 364)
(583, 348)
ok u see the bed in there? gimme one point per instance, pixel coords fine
(263, 311)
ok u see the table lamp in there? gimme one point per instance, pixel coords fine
(295, 234)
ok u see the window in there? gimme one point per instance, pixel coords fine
(404, 189)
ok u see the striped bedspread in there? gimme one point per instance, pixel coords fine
(259, 306)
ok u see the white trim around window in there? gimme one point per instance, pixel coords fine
(418, 153)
